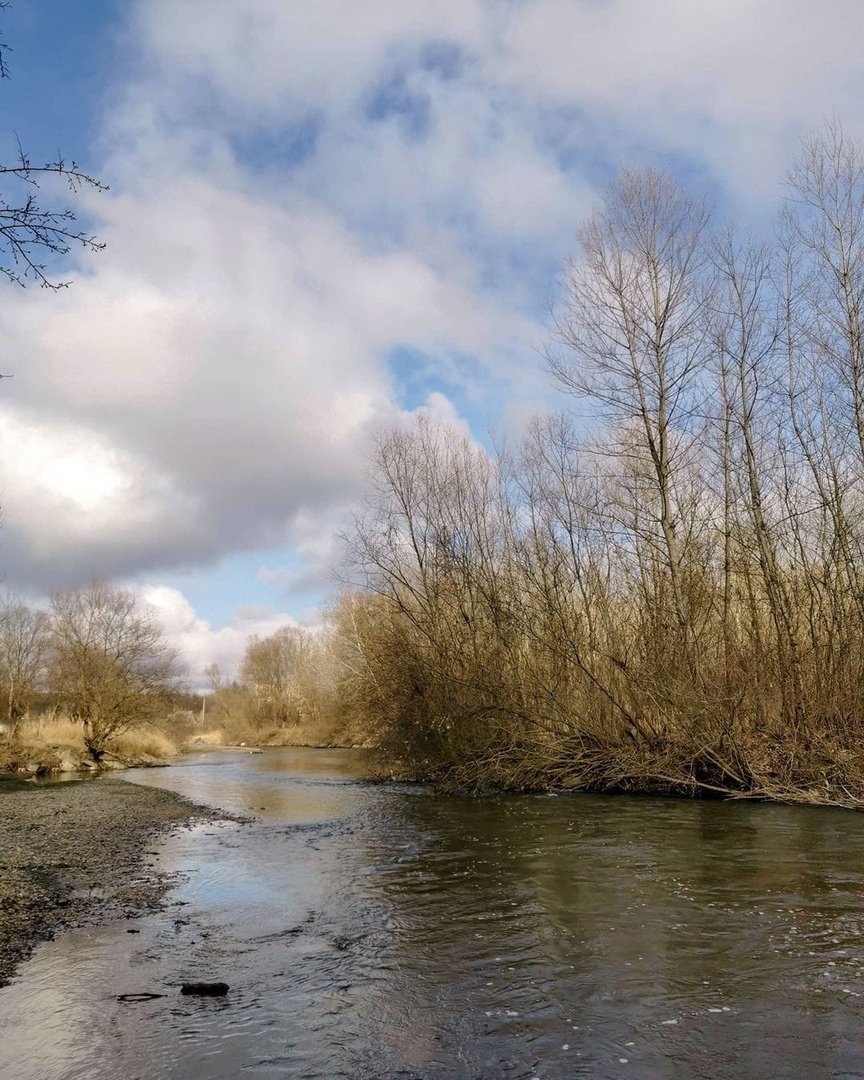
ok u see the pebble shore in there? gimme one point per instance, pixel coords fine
(79, 853)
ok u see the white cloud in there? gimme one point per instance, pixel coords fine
(199, 644)
(731, 84)
(266, 57)
(211, 393)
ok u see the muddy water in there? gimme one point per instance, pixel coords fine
(377, 932)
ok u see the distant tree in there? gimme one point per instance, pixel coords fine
(216, 679)
(110, 666)
(23, 641)
(269, 670)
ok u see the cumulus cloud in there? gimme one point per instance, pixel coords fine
(199, 644)
(264, 58)
(210, 383)
(300, 190)
(729, 84)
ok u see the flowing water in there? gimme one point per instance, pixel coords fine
(382, 931)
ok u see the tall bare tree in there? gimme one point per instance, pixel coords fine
(635, 326)
(671, 596)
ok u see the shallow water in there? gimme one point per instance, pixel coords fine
(378, 931)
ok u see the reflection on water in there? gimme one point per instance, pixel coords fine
(381, 932)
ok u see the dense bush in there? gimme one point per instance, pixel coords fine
(672, 596)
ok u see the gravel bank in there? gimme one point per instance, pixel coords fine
(78, 853)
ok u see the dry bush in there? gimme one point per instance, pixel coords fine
(209, 737)
(671, 600)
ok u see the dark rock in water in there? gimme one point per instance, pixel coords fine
(139, 997)
(205, 989)
(133, 931)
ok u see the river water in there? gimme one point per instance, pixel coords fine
(380, 932)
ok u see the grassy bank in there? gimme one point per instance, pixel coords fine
(55, 743)
(244, 734)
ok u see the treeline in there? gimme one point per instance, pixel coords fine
(668, 595)
(284, 693)
(96, 657)
(95, 669)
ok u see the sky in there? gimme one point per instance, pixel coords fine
(322, 218)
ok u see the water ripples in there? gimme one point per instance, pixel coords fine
(372, 932)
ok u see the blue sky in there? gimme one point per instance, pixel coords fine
(61, 62)
(323, 218)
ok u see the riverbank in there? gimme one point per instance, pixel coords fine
(55, 744)
(827, 776)
(239, 736)
(78, 853)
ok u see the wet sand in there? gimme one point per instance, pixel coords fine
(80, 853)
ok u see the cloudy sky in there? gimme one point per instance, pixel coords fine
(323, 217)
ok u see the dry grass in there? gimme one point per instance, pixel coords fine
(52, 730)
(240, 733)
(137, 741)
(44, 732)
(214, 737)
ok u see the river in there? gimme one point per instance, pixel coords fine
(380, 931)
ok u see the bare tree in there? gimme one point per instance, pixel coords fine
(110, 666)
(635, 327)
(825, 231)
(23, 641)
(216, 679)
(281, 675)
(672, 599)
(268, 672)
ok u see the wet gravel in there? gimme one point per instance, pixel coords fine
(78, 853)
